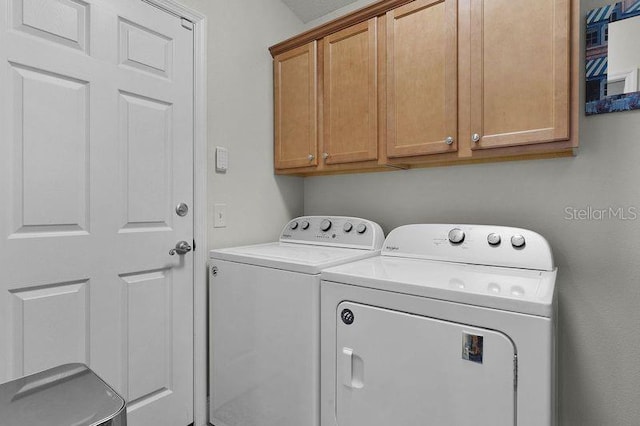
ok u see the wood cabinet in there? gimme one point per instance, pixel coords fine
(350, 101)
(422, 78)
(519, 72)
(407, 84)
(296, 105)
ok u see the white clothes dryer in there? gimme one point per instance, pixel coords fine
(265, 320)
(452, 325)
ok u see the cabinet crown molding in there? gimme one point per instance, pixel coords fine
(356, 17)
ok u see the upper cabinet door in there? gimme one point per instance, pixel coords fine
(422, 78)
(296, 98)
(519, 72)
(350, 95)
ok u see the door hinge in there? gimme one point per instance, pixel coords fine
(515, 372)
(187, 24)
(194, 245)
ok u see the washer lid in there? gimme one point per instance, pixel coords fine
(517, 290)
(307, 259)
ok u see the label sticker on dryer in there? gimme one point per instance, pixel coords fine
(472, 347)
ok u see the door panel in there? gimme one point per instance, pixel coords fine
(143, 49)
(148, 162)
(52, 326)
(422, 78)
(50, 151)
(148, 364)
(65, 22)
(518, 97)
(350, 94)
(98, 125)
(402, 369)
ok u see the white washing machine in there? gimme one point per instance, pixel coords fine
(452, 325)
(265, 320)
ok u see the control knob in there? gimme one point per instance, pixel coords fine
(494, 239)
(347, 227)
(456, 236)
(325, 225)
(518, 241)
(305, 224)
(362, 228)
(293, 225)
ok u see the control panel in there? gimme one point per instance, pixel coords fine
(474, 244)
(335, 231)
(456, 236)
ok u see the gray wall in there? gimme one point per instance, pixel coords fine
(599, 279)
(338, 13)
(598, 261)
(240, 117)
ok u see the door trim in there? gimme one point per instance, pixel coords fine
(199, 21)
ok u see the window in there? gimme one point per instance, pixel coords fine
(593, 90)
(592, 38)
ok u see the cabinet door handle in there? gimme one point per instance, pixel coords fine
(325, 155)
(475, 138)
(449, 140)
(311, 157)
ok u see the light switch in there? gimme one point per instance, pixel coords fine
(222, 159)
(219, 215)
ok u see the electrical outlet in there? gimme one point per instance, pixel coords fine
(220, 216)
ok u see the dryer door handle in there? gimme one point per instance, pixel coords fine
(352, 369)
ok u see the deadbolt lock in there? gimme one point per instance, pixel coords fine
(182, 209)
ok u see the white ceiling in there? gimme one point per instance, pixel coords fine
(308, 10)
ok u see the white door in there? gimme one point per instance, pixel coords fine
(96, 151)
(399, 369)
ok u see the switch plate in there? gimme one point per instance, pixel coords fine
(222, 159)
(219, 215)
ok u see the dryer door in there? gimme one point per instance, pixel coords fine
(394, 368)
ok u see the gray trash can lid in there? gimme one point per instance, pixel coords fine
(68, 395)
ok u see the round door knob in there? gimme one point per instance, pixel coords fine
(294, 225)
(304, 224)
(518, 241)
(325, 225)
(362, 228)
(311, 157)
(449, 140)
(475, 137)
(456, 235)
(494, 239)
(347, 227)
